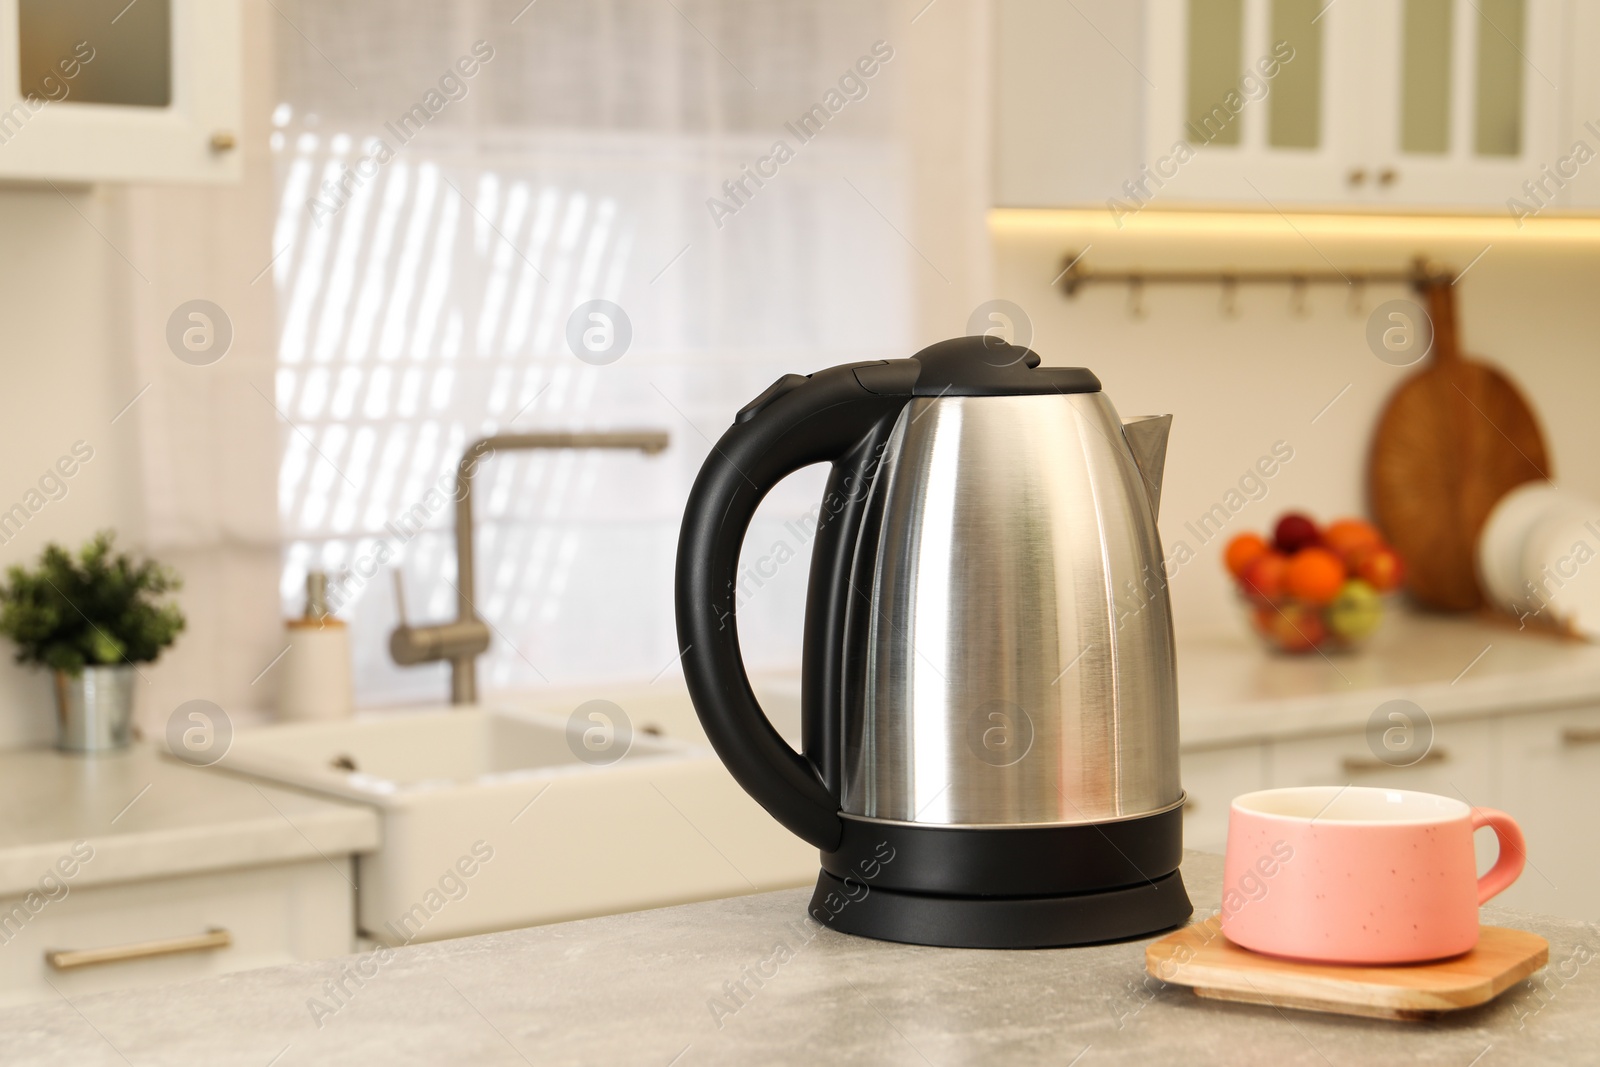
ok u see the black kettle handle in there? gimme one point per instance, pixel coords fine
(798, 421)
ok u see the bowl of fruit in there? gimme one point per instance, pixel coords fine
(1314, 588)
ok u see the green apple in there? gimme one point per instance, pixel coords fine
(1356, 611)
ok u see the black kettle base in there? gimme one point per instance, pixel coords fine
(1094, 917)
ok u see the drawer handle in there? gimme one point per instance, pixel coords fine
(1364, 765)
(1572, 735)
(70, 959)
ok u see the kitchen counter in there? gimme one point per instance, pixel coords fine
(149, 816)
(653, 988)
(1231, 690)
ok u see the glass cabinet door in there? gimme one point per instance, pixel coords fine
(112, 90)
(1294, 106)
(1258, 93)
(1497, 82)
(1284, 78)
(1213, 54)
(115, 52)
(1427, 35)
(1472, 109)
(1463, 89)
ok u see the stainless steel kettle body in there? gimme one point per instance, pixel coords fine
(1011, 646)
(989, 692)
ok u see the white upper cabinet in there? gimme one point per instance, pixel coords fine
(1069, 89)
(108, 90)
(1468, 98)
(1257, 100)
(1350, 103)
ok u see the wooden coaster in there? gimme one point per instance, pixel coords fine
(1200, 957)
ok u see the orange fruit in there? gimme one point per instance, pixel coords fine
(1243, 551)
(1349, 537)
(1314, 575)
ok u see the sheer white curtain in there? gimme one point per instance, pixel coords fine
(425, 280)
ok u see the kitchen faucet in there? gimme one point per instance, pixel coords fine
(465, 639)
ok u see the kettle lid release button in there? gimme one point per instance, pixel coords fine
(768, 395)
(893, 377)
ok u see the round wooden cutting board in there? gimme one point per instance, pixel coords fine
(1454, 438)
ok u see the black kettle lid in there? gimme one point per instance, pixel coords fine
(973, 366)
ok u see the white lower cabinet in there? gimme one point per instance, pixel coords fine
(1456, 764)
(1212, 778)
(1540, 767)
(1548, 774)
(270, 915)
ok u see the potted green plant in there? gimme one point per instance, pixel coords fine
(90, 618)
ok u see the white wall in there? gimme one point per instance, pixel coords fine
(64, 382)
(945, 52)
(88, 276)
(209, 435)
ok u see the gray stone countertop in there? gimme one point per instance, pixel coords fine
(653, 988)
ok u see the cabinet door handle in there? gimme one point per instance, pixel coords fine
(69, 959)
(1388, 176)
(1575, 735)
(1357, 176)
(1365, 765)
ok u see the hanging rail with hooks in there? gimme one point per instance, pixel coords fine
(1422, 272)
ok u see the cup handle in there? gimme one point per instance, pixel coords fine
(1513, 852)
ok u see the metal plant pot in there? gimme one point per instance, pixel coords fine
(95, 709)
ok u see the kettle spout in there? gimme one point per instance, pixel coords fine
(1147, 438)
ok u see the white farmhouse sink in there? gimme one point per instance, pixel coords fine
(491, 821)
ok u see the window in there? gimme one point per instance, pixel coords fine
(436, 232)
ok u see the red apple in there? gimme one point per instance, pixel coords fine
(1294, 532)
(1264, 578)
(1381, 568)
(1291, 627)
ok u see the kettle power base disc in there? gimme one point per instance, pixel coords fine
(1001, 922)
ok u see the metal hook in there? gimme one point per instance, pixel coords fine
(1358, 295)
(1136, 306)
(1072, 274)
(399, 594)
(1298, 307)
(1230, 296)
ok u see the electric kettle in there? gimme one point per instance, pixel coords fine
(989, 695)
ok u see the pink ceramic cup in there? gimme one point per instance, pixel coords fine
(1346, 874)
